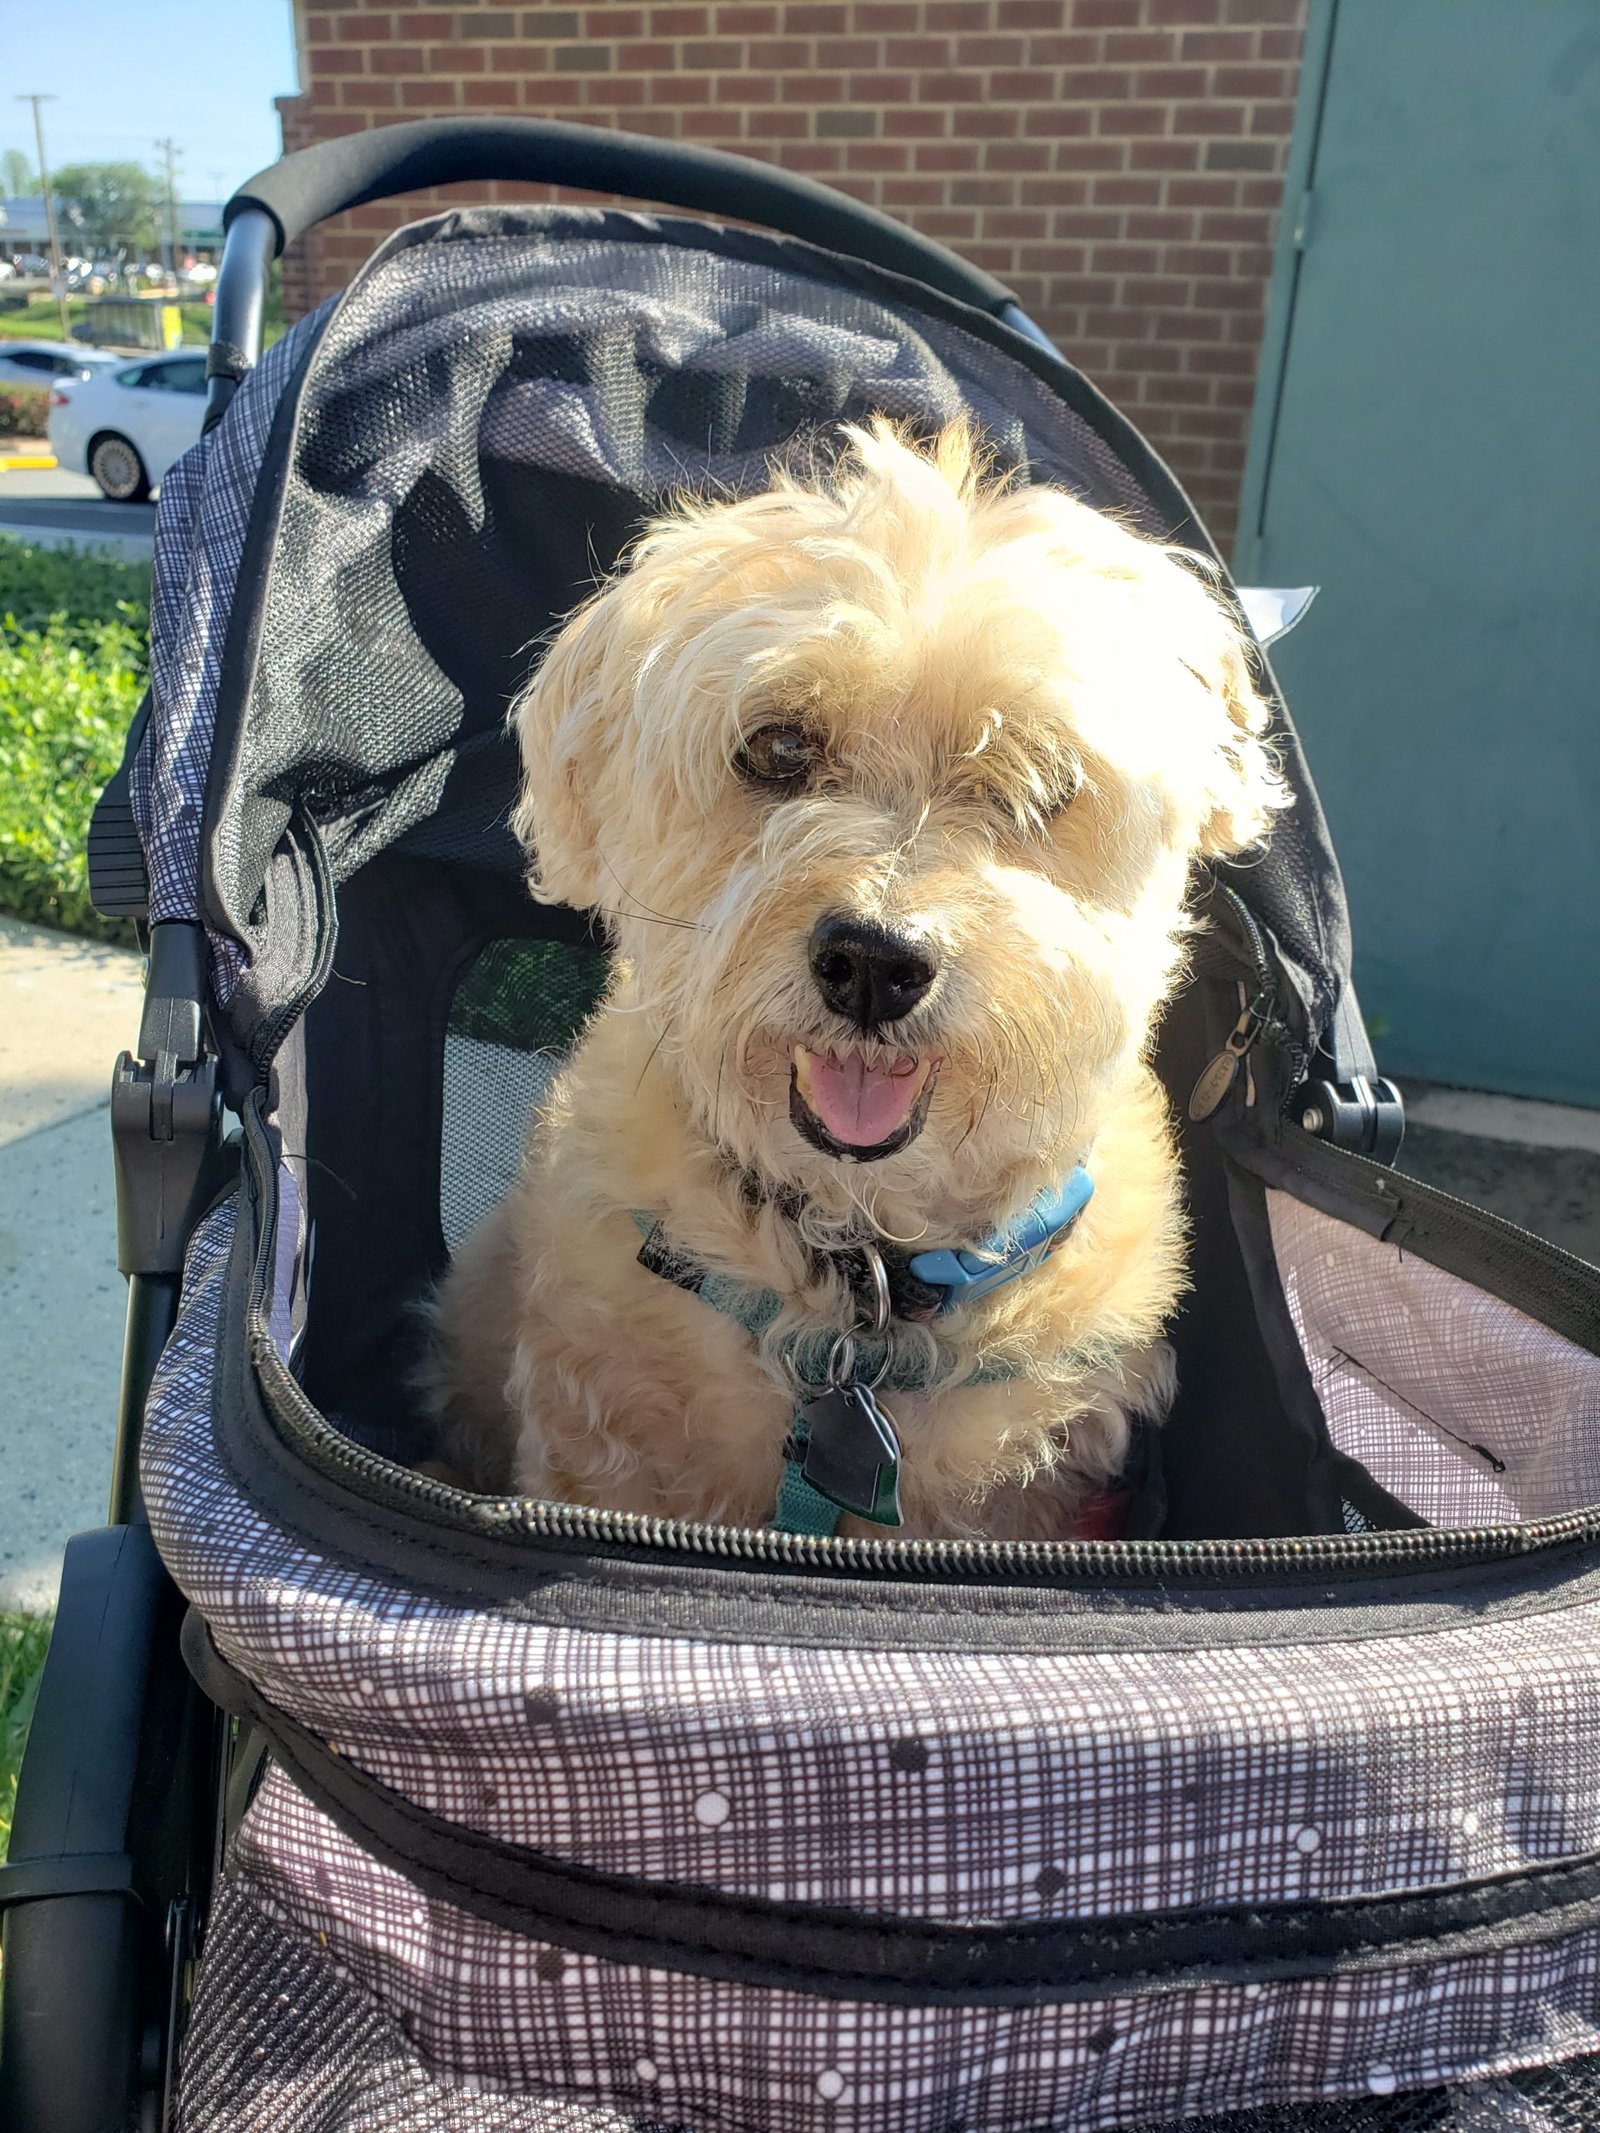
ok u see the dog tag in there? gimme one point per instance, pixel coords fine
(852, 1454)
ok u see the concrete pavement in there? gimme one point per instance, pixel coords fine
(67, 1008)
(59, 510)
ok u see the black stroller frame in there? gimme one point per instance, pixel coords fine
(134, 1778)
(123, 1804)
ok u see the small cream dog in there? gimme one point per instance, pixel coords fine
(888, 781)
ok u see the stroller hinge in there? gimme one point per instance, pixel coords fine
(166, 1110)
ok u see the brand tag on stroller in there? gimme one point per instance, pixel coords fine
(852, 1453)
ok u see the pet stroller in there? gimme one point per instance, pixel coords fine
(1280, 1814)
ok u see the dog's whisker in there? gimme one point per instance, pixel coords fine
(651, 918)
(663, 918)
(650, 1062)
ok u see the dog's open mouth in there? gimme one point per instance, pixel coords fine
(860, 1105)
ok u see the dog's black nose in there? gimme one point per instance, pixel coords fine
(867, 973)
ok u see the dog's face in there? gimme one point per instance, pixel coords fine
(889, 788)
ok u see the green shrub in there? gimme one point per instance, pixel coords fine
(23, 411)
(72, 670)
(23, 1641)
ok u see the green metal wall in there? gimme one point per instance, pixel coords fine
(1426, 448)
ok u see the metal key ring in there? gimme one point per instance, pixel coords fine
(843, 1373)
(880, 1292)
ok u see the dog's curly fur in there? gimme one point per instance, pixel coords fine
(1021, 724)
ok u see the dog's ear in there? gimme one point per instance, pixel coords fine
(562, 722)
(1245, 787)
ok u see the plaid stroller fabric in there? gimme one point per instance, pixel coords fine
(573, 1823)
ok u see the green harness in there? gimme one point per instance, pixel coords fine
(842, 1453)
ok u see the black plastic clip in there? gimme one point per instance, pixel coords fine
(166, 1110)
(1365, 1115)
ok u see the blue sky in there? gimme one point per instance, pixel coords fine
(125, 72)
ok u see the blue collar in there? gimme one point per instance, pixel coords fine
(958, 1275)
(964, 1275)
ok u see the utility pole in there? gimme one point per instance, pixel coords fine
(58, 273)
(168, 151)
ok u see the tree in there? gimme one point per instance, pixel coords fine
(18, 177)
(109, 205)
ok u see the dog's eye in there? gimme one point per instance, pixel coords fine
(778, 755)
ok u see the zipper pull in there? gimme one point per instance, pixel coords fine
(1218, 1078)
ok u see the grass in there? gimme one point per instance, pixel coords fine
(73, 632)
(23, 1641)
(40, 320)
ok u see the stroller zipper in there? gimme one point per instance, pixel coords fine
(1301, 1559)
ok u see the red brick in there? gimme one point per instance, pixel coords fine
(368, 95)
(1069, 50)
(951, 88)
(746, 21)
(990, 52)
(1219, 361)
(849, 51)
(955, 15)
(1016, 156)
(1170, 82)
(1095, 85)
(1217, 44)
(911, 123)
(1022, 85)
(1058, 122)
(1122, 121)
(746, 88)
(1031, 14)
(946, 155)
(1106, 14)
(913, 193)
(1251, 82)
(1241, 155)
(845, 124)
(916, 51)
(876, 156)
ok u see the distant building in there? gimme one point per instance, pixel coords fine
(22, 227)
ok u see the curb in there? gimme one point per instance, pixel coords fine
(27, 462)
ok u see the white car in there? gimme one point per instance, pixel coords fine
(126, 426)
(42, 364)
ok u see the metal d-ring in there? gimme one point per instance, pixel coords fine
(841, 1367)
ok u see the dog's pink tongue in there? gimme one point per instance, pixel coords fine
(860, 1104)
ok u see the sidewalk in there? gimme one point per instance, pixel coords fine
(67, 1008)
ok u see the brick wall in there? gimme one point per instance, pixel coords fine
(1118, 162)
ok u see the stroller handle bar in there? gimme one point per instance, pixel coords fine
(281, 203)
(307, 187)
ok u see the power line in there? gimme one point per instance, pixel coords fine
(57, 271)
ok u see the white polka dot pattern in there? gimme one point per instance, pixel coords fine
(959, 1786)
